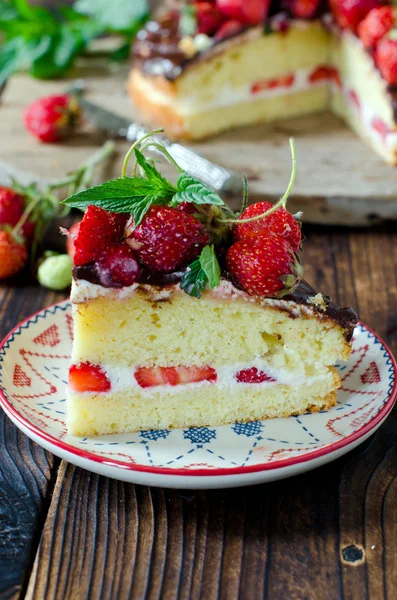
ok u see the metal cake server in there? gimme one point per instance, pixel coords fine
(222, 180)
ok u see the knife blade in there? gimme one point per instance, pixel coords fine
(219, 178)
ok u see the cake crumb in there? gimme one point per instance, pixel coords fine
(318, 300)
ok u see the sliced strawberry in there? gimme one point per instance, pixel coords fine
(248, 12)
(97, 230)
(380, 126)
(325, 73)
(209, 19)
(270, 84)
(153, 376)
(253, 375)
(87, 377)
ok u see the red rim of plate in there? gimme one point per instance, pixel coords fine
(211, 472)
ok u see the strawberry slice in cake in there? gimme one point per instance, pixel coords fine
(187, 314)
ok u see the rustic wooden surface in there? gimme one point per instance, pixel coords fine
(327, 535)
(339, 179)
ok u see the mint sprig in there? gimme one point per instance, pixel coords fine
(135, 195)
(205, 270)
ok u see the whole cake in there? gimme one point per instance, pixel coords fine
(187, 314)
(207, 66)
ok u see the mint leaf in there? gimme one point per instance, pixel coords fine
(194, 280)
(188, 20)
(192, 190)
(152, 173)
(204, 270)
(210, 265)
(118, 15)
(132, 195)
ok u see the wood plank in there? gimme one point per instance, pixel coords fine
(339, 180)
(26, 470)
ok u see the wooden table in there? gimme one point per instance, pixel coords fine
(68, 534)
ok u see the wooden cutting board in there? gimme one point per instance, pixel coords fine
(339, 179)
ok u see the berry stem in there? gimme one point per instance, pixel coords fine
(135, 145)
(87, 168)
(26, 214)
(283, 200)
(164, 151)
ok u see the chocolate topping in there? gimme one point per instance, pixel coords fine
(156, 49)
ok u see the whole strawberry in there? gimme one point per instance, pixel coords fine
(247, 12)
(349, 13)
(208, 17)
(13, 254)
(263, 265)
(386, 59)
(50, 119)
(167, 239)
(12, 206)
(377, 23)
(303, 9)
(280, 222)
(97, 230)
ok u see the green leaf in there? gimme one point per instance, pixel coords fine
(210, 265)
(152, 173)
(192, 190)
(124, 195)
(194, 280)
(17, 54)
(188, 20)
(204, 270)
(117, 15)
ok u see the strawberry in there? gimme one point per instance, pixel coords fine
(386, 59)
(27, 231)
(325, 73)
(303, 9)
(97, 230)
(263, 265)
(152, 376)
(117, 266)
(71, 236)
(280, 222)
(349, 13)
(51, 118)
(86, 377)
(13, 254)
(253, 375)
(12, 206)
(378, 22)
(187, 207)
(167, 239)
(247, 12)
(270, 84)
(209, 19)
(228, 29)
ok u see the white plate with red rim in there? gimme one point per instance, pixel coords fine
(34, 360)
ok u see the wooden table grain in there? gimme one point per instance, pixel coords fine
(329, 534)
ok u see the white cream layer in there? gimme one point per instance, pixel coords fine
(122, 378)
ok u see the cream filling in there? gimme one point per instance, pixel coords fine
(122, 378)
(228, 95)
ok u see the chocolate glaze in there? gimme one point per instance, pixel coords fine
(345, 317)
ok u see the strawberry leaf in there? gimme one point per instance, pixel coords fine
(192, 190)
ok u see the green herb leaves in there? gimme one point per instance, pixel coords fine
(192, 190)
(135, 195)
(46, 42)
(205, 270)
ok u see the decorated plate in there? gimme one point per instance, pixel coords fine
(34, 360)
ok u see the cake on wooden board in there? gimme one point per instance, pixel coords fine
(207, 66)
